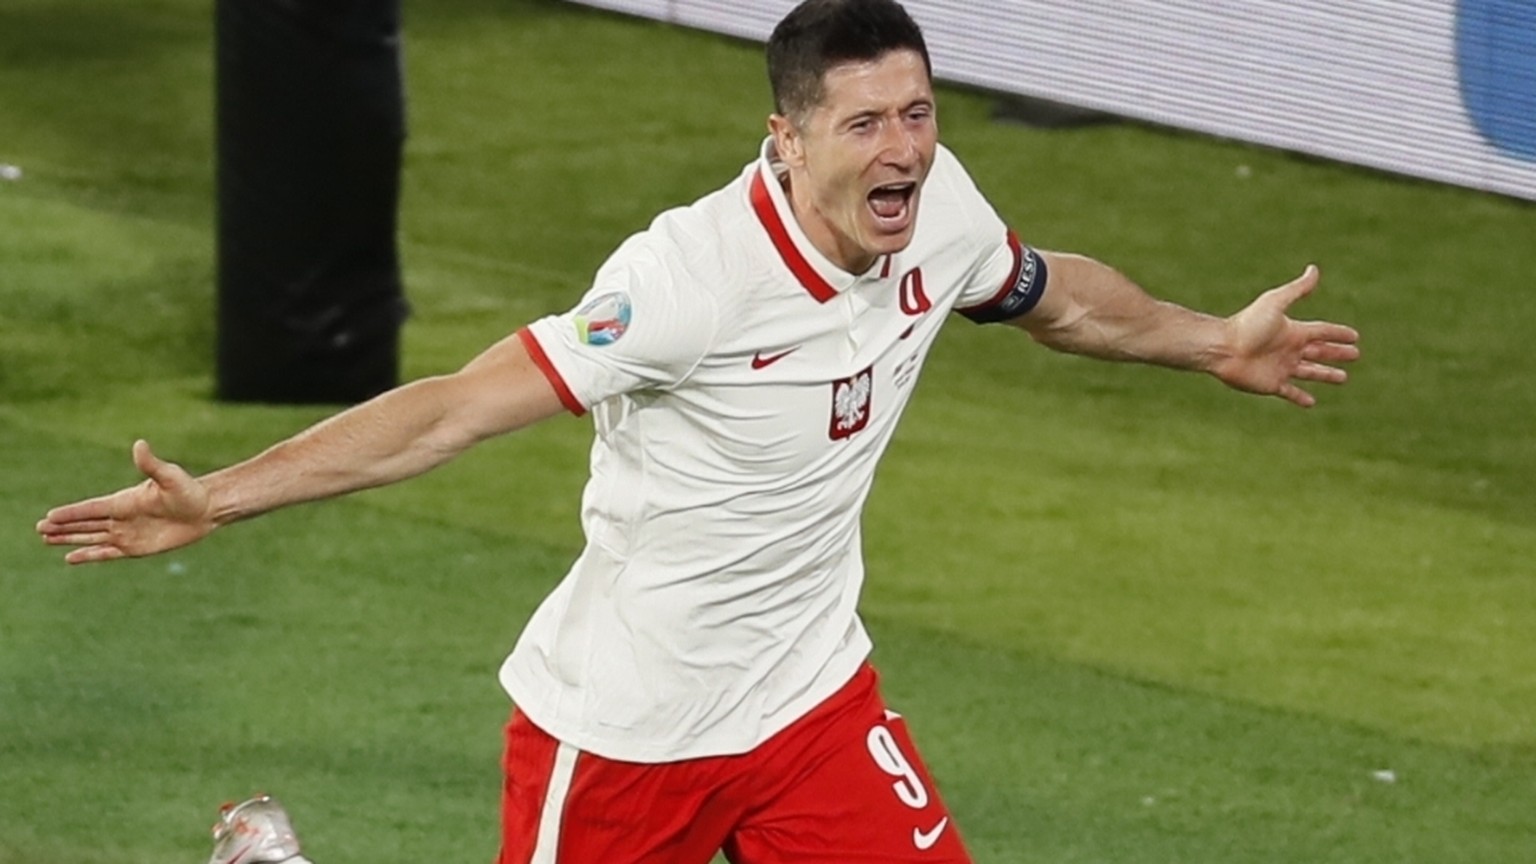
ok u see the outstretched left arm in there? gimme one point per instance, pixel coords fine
(1088, 308)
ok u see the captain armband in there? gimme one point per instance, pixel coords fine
(1024, 288)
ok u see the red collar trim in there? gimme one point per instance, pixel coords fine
(768, 214)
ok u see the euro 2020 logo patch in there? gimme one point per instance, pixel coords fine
(603, 320)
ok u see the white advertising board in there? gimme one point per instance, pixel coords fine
(1439, 89)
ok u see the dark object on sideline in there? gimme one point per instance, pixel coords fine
(311, 126)
(1045, 114)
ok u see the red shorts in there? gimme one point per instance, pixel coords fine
(842, 785)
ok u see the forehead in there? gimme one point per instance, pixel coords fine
(894, 78)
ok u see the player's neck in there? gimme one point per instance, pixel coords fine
(833, 244)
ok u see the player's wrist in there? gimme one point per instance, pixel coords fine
(223, 502)
(1216, 352)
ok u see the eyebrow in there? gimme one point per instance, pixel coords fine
(923, 102)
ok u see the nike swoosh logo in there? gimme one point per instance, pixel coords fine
(761, 362)
(924, 841)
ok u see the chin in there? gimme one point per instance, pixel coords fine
(879, 240)
(890, 244)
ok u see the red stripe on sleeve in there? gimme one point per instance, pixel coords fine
(541, 360)
(1013, 274)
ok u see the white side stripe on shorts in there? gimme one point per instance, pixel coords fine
(546, 850)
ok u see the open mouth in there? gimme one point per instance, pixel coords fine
(892, 203)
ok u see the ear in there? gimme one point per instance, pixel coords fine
(787, 140)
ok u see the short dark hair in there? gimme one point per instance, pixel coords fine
(820, 34)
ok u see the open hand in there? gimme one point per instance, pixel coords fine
(1269, 352)
(169, 509)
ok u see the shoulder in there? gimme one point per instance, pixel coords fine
(694, 252)
(950, 176)
(953, 187)
(651, 276)
(676, 276)
(955, 207)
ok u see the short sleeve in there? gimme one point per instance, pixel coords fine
(1010, 282)
(1006, 278)
(642, 326)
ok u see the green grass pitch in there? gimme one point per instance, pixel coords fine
(1132, 617)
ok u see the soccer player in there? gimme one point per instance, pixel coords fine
(699, 680)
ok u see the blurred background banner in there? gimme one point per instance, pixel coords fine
(1429, 88)
(311, 125)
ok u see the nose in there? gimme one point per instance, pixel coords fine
(900, 145)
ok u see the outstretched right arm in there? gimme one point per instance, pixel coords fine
(402, 433)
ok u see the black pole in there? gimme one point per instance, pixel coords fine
(311, 126)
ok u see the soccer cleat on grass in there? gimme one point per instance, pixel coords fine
(257, 831)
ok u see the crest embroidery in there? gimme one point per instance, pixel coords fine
(851, 404)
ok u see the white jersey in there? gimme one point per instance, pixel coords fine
(743, 388)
